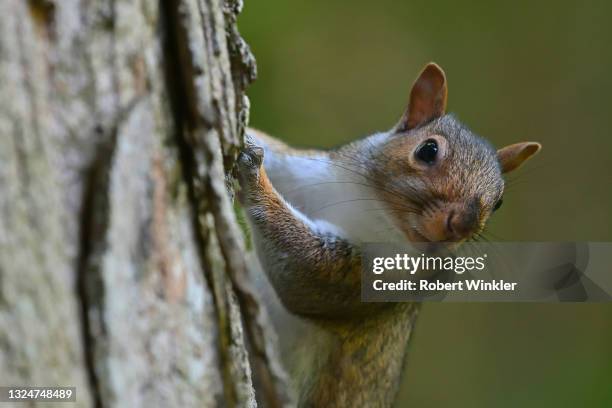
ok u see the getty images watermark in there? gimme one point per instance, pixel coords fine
(491, 271)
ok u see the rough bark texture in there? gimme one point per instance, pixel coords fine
(121, 266)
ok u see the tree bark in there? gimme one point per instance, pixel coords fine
(122, 268)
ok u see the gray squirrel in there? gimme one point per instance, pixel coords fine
(428, 179)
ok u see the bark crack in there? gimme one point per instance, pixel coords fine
(94, 223)
(183, 104)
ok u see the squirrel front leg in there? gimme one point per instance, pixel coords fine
(314, 271)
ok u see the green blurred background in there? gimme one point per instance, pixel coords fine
(332, 71)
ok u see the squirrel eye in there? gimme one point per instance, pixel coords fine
(498, 204)
(428, 151)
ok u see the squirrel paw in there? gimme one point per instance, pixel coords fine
(249, 162)
(251, 157)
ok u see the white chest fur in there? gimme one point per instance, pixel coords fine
(337, 193)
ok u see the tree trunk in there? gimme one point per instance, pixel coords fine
(121, 264)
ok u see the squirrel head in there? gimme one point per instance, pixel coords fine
(440, 181)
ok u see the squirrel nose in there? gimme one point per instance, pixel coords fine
(461, 223)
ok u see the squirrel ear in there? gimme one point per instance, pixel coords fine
(513, 156)
(427, 98)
